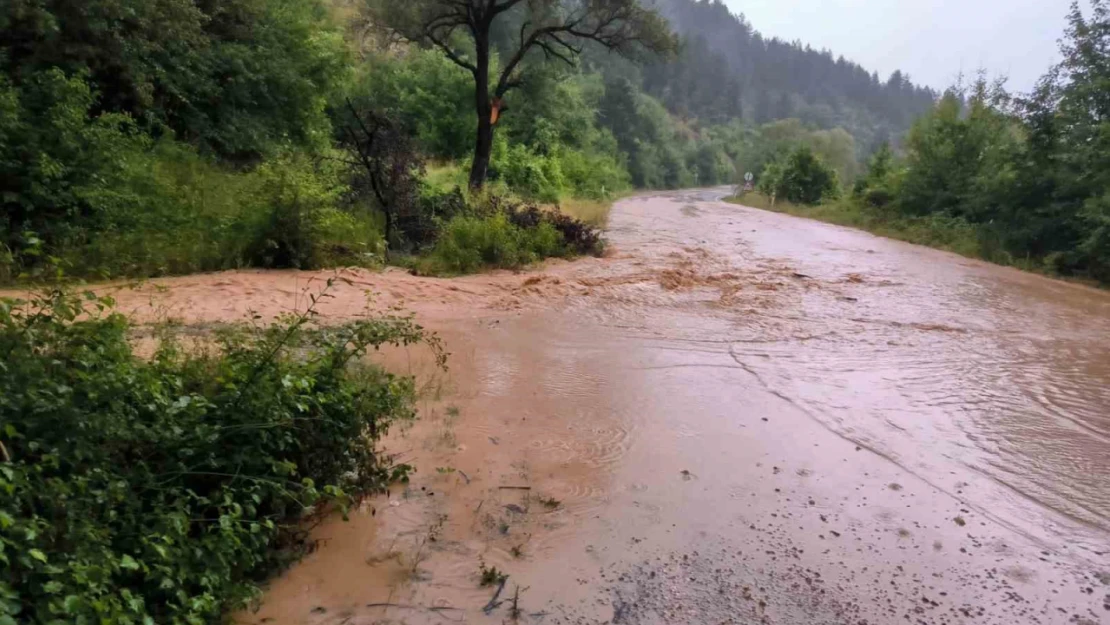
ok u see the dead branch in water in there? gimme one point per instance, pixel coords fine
(514, 611)
(493, 602)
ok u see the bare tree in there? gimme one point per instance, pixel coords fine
(558, 29)
(391, 166)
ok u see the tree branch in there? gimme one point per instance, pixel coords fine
(613, 27)
(451, 53)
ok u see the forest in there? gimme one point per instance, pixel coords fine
(153, 138)
(146, 138)
(168, 137)
(1018, 179)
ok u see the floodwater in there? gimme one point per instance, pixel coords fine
(737, 417)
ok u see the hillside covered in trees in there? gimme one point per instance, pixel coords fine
(727, 70)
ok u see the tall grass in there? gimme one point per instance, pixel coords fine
(941, 232)
(592, 212)
(171, 211)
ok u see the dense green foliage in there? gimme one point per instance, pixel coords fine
(1028, 176)
(471, 243)
(800, 177)
(162, 488)
(148, 137)
(499, 235)
(470, 33)
(172, 136)
(237, 76)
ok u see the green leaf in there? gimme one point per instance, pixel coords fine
(129, 563)
(38, 555)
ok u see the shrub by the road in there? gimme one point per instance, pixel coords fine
(497, 233)
(800, 177)
(468, 244)
(162, 489)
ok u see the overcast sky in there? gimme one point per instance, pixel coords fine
(932, 40)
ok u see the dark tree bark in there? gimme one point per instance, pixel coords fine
(483, 144)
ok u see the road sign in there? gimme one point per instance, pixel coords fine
(748, 177)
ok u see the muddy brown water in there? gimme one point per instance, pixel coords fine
(737, 417)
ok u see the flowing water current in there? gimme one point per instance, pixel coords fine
(737, 417)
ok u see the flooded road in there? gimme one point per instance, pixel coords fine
(738, 417)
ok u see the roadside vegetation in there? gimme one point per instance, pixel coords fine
(143, 138)
(164, 488)
(1019, 180)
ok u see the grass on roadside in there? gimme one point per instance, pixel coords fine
(592, 212)
(946, 233)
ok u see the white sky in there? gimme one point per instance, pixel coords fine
(931, 40)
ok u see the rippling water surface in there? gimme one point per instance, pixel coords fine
(744, 417)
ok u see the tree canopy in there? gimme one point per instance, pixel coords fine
(464, 31)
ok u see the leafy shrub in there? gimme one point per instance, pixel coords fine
(160, 490)
(427, 93)
(166, 210)
(532, 175)
(240, 76)
(801, 177)
(59, 163)
(578, 236)
(593, 175)
(499, 232)
(306, 229)
(469, 243)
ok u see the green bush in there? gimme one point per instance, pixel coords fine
(527, 173)
(428, 93)
(593, 175)
(171, 211)
(801, 177)
(162, 489)
(305, 228)
(470, 243)
(577, 236)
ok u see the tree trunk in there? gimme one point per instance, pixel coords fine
(482, 148)
(388, 232)
(483, 143)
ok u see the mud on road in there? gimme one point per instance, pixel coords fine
(738, 417)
